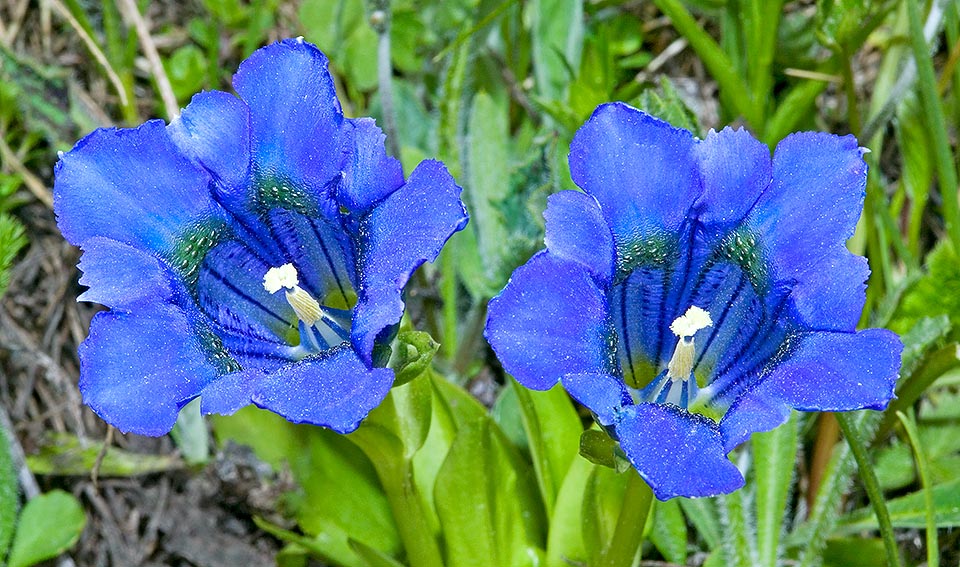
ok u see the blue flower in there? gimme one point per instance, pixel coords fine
(696, 291)
(253, 251)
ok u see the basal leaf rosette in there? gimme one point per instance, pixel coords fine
(255, 250)
(696, 291)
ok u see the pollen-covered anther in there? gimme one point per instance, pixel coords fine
(685, 327)
(304, 305)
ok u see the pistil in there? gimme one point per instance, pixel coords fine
(685, 327)
(304, 305)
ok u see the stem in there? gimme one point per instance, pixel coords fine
(628, 535)
(850, 88)
(412, 524)
(913, 436)
(871, 485)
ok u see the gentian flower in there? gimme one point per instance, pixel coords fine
(253, 251)
(696, 291)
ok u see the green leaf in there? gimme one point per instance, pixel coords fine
(49, 525)
(936, 293)
(774, 460)
(597, 447)
(187, 70)
(669, 533)
(340, 496)
(565, 544)
(412, 354)
(191, 435)
(665, 103)
(63, 455)
(738, 540)
(702, 513)
(854, 552)
(341, 30)
(552, 427)
(602, 503)
(485, 500)
(9, 494)
(373, 557)
(488, 183)
(557, 44)
(12, 239)
(910, 511)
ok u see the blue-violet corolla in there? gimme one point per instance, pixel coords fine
(696, 291)
(254, 250)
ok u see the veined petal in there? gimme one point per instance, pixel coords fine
(405, 230)
(138, 369)
(227, 394)
(602, 394)
(831, 297)
(296, 120)
(736, 169)
(824, 372)
(577, 231)
(121, 276)
(813, 202)
(677, 452)
(549, 321)
(214, 130)
(641, 170)
(335, 390)
(369, 173)
(133, 186)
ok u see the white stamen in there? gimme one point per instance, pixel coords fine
(276, 278)
(685, 326)
(689, 323)
(304, 305)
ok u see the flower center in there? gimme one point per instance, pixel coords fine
(304, 305)
(685, 326)
(676, 384)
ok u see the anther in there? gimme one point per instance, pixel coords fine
(304, 305)
(685, 326)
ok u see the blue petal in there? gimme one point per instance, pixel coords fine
(813, 203)
(831, 297)
(641, 170)
(227, 394)
(121, 276)
(405, 230)
(369, 173)
(295, 116)
(736, 169)
(602, 394)
(132, 186)
(824, 372)
(577, 231)
(549, 321)
(678, 453)
(335, 390)
(214, 130)
(138, 369)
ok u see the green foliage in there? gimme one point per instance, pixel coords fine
(9, 495)
(12, 239)
(48, 525)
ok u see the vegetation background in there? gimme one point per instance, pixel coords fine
(496, 89)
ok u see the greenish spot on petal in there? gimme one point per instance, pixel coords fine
(216, 351)
(742, 248)
(658, 249)
(272, 193)
(194, 245)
